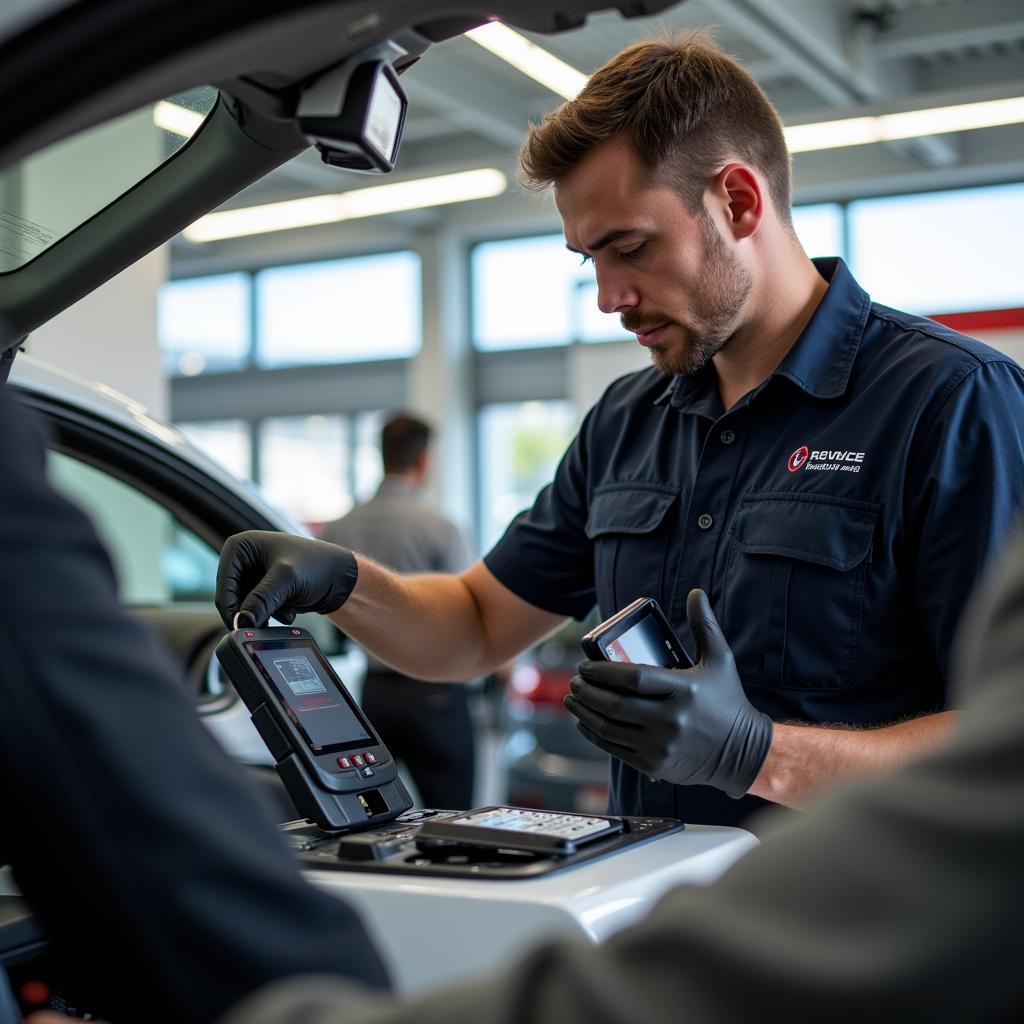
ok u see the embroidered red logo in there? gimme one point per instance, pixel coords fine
(798, 458)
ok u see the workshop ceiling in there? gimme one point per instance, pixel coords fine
(817, 59)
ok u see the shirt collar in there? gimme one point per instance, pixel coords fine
(820, 360)
(393, 485)
(697, 392)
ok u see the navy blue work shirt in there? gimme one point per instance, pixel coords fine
(837, 516)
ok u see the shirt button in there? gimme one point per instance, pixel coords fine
(705, 522)
(727, 437)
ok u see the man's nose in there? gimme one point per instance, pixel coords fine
(614, 293)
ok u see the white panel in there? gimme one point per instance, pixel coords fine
(110, 336)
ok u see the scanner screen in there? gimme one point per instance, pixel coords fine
(643, 644)
(315, 703)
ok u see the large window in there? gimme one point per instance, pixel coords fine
(333, 311)
(204, 324)
(941, 252)
(533, 292)
(227, 442)
(304, 466)
(339, 311)
(820, 229)
(520, 446)
(312, 467)
(316, 452)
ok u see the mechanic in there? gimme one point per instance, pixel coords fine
(426, 725)
(834, 474)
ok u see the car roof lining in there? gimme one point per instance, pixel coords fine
(166, 47)
(217, 162)
(284, 48)
(172, 47)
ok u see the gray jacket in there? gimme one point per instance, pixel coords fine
(398, 530)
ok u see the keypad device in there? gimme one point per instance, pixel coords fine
(521, 828)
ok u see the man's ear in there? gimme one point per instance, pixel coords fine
(736, 192)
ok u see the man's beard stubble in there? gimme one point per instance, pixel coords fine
(717, 301)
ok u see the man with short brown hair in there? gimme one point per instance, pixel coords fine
(684, 107)
(833, 475)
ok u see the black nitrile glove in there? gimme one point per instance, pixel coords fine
(688, 726)
(263, 574)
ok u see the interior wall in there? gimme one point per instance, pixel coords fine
(110, 336)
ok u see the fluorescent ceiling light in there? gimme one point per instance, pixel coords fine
(531, 59)
(565, 80)
(363, 202)
(179, 120)
(910, 124)
(961, 118)
(852, 131)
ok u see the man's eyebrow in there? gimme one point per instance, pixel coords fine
(603, 241)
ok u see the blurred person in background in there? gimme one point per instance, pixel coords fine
(427, 725)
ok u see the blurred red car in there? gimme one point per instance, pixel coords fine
(548, 763)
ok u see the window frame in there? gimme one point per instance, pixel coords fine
(252, 269)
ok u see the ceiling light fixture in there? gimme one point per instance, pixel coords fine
(176, 119)
(529, 58)
(483, 183)
(908, 124)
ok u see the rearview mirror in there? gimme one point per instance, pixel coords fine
(354, 115)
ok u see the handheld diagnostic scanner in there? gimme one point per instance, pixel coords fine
(335, 767)
(639, 633)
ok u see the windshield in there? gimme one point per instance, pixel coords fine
(49, 194)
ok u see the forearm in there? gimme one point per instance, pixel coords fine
(440, 627)
(425, 624)
(804, 760)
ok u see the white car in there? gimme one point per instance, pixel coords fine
(163, 509)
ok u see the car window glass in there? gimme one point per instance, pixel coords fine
(158, 561)
(50, 193)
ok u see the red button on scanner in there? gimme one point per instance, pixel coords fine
(249, 633)
(296, 632)
(370, 759)
(344, 762)
(357, 760)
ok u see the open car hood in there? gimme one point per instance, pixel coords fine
(72, 64)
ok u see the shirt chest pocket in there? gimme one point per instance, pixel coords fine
(794, 588)
(630, 526)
